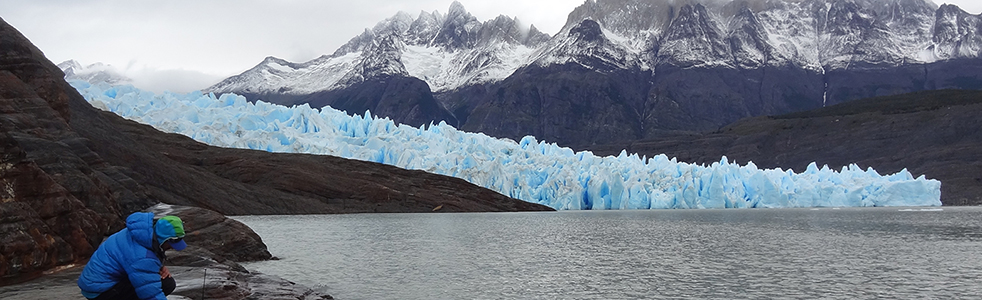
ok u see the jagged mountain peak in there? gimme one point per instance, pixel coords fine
(951, 9)
(383, 57)
(356, 44)
(424, 28)
(455, 51)
(96, 72)
(846, 16)
(693, 38)
(692, 14)
(749, 41)
(459, 30)
(509, 30)
(273, 59)
(588, 44)
(396, 24)
(446, 51)
(456, 30)
(899, 8)
(751, 33)
(69, 66)
(957, 34)
(456, 8)
(587, 30)
(625, 16)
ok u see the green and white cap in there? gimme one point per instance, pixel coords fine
(170, 228)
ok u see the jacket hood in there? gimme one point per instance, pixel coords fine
(140, 227)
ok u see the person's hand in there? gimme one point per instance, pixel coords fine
(164, 273)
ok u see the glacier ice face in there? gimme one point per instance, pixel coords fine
(529, 170)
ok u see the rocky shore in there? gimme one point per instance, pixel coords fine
(212, 282)
(209, 267)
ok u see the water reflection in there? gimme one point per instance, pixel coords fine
(727, 254)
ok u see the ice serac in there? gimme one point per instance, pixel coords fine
(531, 170)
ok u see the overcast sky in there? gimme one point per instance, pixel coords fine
(182, 45)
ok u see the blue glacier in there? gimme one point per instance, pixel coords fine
(530, 170)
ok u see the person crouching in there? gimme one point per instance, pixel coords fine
(129, 264)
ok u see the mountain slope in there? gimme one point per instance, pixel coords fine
(935, 133)
(685, 65)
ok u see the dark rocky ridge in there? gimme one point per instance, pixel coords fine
(402, 99)
(70, 173)
(57, 200)
(934, 133)
(625, 105)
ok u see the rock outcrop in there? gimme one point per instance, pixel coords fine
(57, 194)
(208, 266)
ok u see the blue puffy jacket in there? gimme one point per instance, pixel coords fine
(129, 253)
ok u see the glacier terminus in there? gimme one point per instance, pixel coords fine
(530, 170)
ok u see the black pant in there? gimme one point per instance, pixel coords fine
(124, 290)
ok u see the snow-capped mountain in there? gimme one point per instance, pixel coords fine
(446, 51)
(629, 69)
(751, 33)
(97, 72)
(956, 34)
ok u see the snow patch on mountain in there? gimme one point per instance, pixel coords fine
(275, 75)
(446, 70)
(97, 72)
(594, 47)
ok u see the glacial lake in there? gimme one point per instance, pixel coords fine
(848, 253)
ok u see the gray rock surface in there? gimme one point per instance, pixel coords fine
(209, 266)
(215, 281)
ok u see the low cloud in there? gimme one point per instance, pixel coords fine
(172, 80)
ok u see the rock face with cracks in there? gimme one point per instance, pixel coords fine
(57, 198)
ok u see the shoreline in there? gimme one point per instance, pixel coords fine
(215, 281)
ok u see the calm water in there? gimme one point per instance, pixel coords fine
(722, 254)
